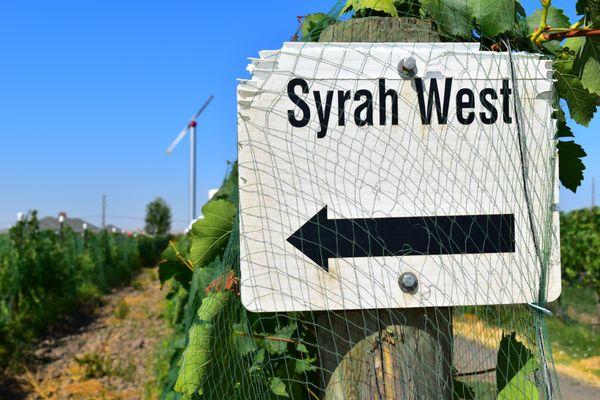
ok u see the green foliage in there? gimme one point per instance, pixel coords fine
(495, 16)
(521, 387)
(174, 263)
(313, 25)
(211, 233)
(266, 356)
(464, 19)
(371, 7)
(580, 247)
(202, 337)
(588, 65)
(462, 391)
(229, 185)
(556, 18)
(453, 17)
(150, 248)
(158, 217)
(515, 367)
(45, 275)
(512, 358)
(570, 165)
(278, 387)
(582, 104)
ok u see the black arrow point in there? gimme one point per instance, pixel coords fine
(315, 238)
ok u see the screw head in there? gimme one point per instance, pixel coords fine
(407, 67)
(408, 282)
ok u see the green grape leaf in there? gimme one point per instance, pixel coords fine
(570, 167)
(202, 335)
(556, 19)
(520, 387)
(453, 17)
(313, 25)
(229, 185)
(259, 359)
(173, 263)
(582, 104)
(306, 364)
(194, 360)
(512, 357)
(278, 387)
(384, 6)
(588, 65)
(563, 129)
(462, 391)
(302, 348)
(275, 346)
(580, 7)
(210, 234)
(310, 21)
(494, 16)
(243, 340)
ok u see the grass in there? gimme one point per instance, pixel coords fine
(121, 309)
(575, 334)
(97, 365)
(575, 338)
(160, 363)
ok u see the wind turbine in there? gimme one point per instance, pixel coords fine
(191, 128)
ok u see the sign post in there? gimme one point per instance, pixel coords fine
(378, 199)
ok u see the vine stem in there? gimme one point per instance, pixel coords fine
(482, 372)
(560, 35)
(266, 337)
(312, 394)
(571, 33)
(543, 22)
(181, 258)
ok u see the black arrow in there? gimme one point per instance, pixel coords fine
(321, 238)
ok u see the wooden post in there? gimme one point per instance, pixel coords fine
(389, 354)
(381, 30)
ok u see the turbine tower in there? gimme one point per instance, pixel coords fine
(191, 128)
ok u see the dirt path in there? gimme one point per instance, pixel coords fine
(471, 355)
(110, 358)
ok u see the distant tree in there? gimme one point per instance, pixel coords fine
(158, 217)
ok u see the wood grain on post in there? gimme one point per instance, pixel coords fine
(385, 354)
(381, 30)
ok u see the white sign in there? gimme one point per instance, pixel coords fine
(361, 188)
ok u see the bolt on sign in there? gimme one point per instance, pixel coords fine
(365, 184)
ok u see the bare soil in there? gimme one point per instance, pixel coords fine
(110, 356)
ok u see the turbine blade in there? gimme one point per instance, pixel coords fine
(177, 140)
(203, 107)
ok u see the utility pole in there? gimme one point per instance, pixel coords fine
(103, 211)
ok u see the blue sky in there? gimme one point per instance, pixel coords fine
(92, 93)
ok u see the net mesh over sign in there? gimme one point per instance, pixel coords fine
(396, 237)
